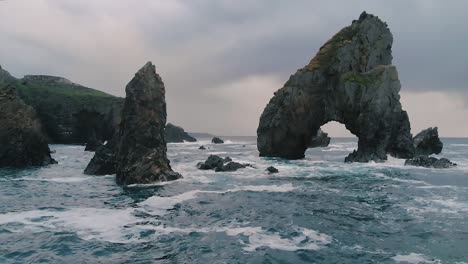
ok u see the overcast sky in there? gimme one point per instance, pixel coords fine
(221, 61)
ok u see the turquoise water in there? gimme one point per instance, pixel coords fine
(316, 210)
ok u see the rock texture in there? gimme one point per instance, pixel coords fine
(217, 140)
(351, 81)
(218, 164)
(321, 139)
(176, 134)
(427, 142)
(430, 162)
(138, 152)
(22, 142)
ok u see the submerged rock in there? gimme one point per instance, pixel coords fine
(321, 139)
(272, 169)
(218, 164)
(427, 142)
(351, 81)
(217, 140)
(430, 162)
(176, 134)
(22, 142)
(138, 152)
(231, 166)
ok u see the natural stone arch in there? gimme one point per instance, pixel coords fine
(351, 81)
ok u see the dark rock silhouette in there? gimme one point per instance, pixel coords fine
(22, 142)
(212, 162)
(104, 160)
(272, 169)
(321, 139)
(202, 147)
(93, 144)
(427, 142)
(217, 140)
(176, 134)
(430, 162)
(218, 164)
(138, 152)
(351, 81)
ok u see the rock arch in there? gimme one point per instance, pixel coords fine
(351, 81)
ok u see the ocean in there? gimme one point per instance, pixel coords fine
(315, 210)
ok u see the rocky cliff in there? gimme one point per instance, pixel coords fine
(22, 142)
(137, 153)
(176, 134)
(71, 113)
(351, 81)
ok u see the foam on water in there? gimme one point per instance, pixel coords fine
(158, 205)
(414, 258)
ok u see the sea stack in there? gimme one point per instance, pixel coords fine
(138, 150)
(22, 142)
(427, 142)
(351, 80)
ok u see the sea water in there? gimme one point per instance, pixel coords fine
(315, 210)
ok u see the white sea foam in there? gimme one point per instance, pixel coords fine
(158, 205)
(122, 226)
(414, 258)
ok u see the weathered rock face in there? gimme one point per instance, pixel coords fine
(137, 154)
(427, 142)
(217, 140)
(218, 164)
(104, 161)
(351, 81)
(176, 134)
(22, 142)
(430, 162)
(321, 139)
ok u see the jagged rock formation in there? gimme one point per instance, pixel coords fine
(22, 142)
(427, 142)
(69, 113)
(351, 81)
(321, 139)
(430, 162)
(138, 152)
(218, 164)
(176, 134)
(217, 140)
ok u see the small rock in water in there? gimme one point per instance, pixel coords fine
(272, 169)
(430, 162)
(231, 166)
(217, 140)
(202, 147)
(212, 162)
(216, 163)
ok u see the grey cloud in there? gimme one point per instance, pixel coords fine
(200, 46)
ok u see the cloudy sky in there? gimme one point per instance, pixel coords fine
(221, 61)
